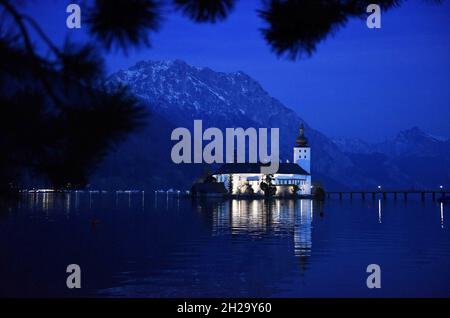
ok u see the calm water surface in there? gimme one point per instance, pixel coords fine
(147, 246)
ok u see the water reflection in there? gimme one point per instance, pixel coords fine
(264, 218)
(67, 204)
(221, 248)
(303, 229)
(379, 211)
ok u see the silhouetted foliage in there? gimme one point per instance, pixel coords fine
(267, 185)
(318, 193)
(295, 27)
(210, 179)
(57, 119)
(123, 22)
(81, 64)
(205, 10)
(77, 149)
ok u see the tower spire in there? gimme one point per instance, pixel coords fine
(301, 140)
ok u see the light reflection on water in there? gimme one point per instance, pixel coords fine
(292, 218)
(137, 244)
(379, 211)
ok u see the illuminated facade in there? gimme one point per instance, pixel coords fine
(291, 178)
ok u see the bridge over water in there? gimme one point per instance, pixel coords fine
(433, 194)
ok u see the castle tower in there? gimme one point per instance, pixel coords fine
(302, 151)
(302, 157)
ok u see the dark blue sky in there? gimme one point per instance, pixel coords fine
(360, 83)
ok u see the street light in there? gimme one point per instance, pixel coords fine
(379, 187)
(441, 187)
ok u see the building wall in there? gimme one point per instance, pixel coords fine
(308, 185)
(239, 180)
(302, 157)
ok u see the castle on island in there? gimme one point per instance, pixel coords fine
(246, 179)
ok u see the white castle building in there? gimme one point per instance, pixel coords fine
(291, 178)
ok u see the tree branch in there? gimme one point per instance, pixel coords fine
(18, 18)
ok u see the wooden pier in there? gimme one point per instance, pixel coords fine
(395, 194)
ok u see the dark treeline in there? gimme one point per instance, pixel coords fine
(58, 120)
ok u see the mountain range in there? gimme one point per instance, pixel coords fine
(411, 142)
(411, 159)
(177, 93)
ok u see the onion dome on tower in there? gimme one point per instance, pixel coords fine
(301, 140)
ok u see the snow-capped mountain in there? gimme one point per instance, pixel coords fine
(177, 93)
(181, 93)
(201, 92)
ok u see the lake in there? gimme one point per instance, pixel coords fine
(147, 245)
